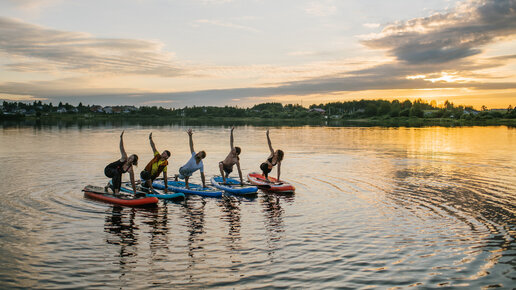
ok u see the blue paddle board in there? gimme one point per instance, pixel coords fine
(179, 186)
(233, 186)
(127, 187)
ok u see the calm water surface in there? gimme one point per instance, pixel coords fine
(374, 207)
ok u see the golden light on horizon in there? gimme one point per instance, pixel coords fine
(448, 78)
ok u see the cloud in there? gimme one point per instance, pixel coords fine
(371, 25)
(427, 53)
(225, 24)
(158, 102)
(382, 77)
(301, 53)
(218, 2)
(32, 5)
(61, 87)
(447, 37)
(321, 9)
(33, 48)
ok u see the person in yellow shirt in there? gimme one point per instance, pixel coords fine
(155, 167)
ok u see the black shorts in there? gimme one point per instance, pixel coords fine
(145, 175)
(265, 168)
(227, 169)
(111, 171)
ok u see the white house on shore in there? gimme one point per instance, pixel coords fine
(318, 110)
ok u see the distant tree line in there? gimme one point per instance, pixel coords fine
(419, 108)
(334, 110)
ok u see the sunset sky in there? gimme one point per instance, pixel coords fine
(234, 52)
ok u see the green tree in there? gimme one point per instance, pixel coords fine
(416, 111)
(448, 105)
(384, 109)
(406, 104)
(371, 110)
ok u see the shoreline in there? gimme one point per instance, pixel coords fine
(86, 119)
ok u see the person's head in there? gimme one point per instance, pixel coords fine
(279, 154)
(133, 159)
(238, 150)
(165, 155)
(200, 155)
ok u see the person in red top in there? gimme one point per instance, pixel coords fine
(155, 167)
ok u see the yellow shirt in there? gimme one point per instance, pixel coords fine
(156, 166)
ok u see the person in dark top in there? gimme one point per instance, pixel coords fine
(274, 159)
(114, 170)
(226, 166)
(154, 168)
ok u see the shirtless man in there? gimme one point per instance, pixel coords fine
(226, 166)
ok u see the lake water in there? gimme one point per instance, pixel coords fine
(374, 207)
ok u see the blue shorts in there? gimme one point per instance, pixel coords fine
(184, 173)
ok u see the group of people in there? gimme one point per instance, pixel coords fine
(158, 165)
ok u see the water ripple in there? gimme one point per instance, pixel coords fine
(369, 211)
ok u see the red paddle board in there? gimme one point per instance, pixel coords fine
(271, 185)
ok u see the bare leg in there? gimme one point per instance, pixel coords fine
(186, 182)
(222, 171)
(266, 174)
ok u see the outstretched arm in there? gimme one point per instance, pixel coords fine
(131, 175)
(191, 140)
(122, 150)
(269, 142)
(240, 173)
(166, 182)
(152, 145)
(279, 170)
(203, 179)
(231, 138)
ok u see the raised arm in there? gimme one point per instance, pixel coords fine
(191, 140)
(122, 150)
(231, 138)
(269, 142)
(152, 145)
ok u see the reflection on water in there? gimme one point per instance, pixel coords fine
(152, 121)
(273, 211)
(374, 207)
(122, 229)
(195, 218)
(230, 207)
